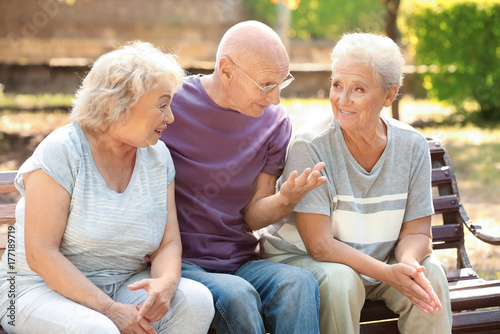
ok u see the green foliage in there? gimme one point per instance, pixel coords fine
(329, 19)
(459, 41)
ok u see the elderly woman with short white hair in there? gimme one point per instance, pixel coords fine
(366, 232)
(97, 204)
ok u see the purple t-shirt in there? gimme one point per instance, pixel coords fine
(218, 154)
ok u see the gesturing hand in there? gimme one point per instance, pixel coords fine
(297, 187)
(158, 300)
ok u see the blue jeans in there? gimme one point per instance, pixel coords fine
(261, 294)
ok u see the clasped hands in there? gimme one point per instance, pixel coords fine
(412, 283)
(138, 318)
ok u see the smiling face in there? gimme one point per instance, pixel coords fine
(245, 95)
(148, 118)
(356, 96)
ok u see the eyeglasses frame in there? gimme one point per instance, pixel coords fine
(267, 89)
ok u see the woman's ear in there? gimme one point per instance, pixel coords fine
(391, 95)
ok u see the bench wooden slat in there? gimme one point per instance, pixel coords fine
(3, 242)
(481, 321)
(384, 327)
(446, 203)
(6, 185)
(441, 176)
(436, 149)
(8, 213)
(446, 233)
(475, 297)
(461, 275)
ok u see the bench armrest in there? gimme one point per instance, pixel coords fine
(478, 232)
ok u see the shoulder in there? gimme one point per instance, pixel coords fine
(190, 86)
(156, 154)
(60, 155)
(316, 131)
(63, 143)
(275, 114)
(405, 134)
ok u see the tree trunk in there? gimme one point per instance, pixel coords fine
(391, 30)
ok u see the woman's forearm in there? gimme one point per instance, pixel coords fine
(166, 263)
(62, 276)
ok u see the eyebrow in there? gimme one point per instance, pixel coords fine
(169, 96)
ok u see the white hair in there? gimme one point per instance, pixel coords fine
(380, 53)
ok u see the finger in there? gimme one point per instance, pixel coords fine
(321, 180)
(146, 326)
(430, 292)
(418, 266)
(319, 166)
(424, 307)
(427, 286)
(142, 284)
(291, 177)
(146, 306)
(302, 179)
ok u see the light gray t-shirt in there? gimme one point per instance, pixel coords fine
(366, 209)
(108, 234)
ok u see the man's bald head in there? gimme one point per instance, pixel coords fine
(252, 42)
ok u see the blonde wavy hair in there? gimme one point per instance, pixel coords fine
(118, 79)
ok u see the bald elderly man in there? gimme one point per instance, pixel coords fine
(228, 143)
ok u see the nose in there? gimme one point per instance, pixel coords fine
(168, 116)
(344, 97)
(274, 96)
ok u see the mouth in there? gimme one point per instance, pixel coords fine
(160, 130)
(345, 112)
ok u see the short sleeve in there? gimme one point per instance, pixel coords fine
(302, 155)
(419, 202)
(59, 155)
(170, 168)
(277, 146)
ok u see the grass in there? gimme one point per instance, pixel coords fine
(474, 150)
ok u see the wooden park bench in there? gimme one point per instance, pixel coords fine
(475, 302)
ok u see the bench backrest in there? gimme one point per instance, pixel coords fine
(450, 217)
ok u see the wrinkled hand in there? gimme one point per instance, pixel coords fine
(124, 316)
(424, 283)
(297, 187)
(157, 303)
(412, 283)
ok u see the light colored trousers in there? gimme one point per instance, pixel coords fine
(342, 296)
(43, 310)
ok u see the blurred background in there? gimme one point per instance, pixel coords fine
(452, 73)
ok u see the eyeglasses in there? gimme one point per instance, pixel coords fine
(267, 89)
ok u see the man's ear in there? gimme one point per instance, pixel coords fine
(226, 69)
(391, 95)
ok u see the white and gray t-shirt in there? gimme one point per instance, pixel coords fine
(366, 209)
(108, 234)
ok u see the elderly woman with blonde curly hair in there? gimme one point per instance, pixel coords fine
(97, 203)
(366, 232)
